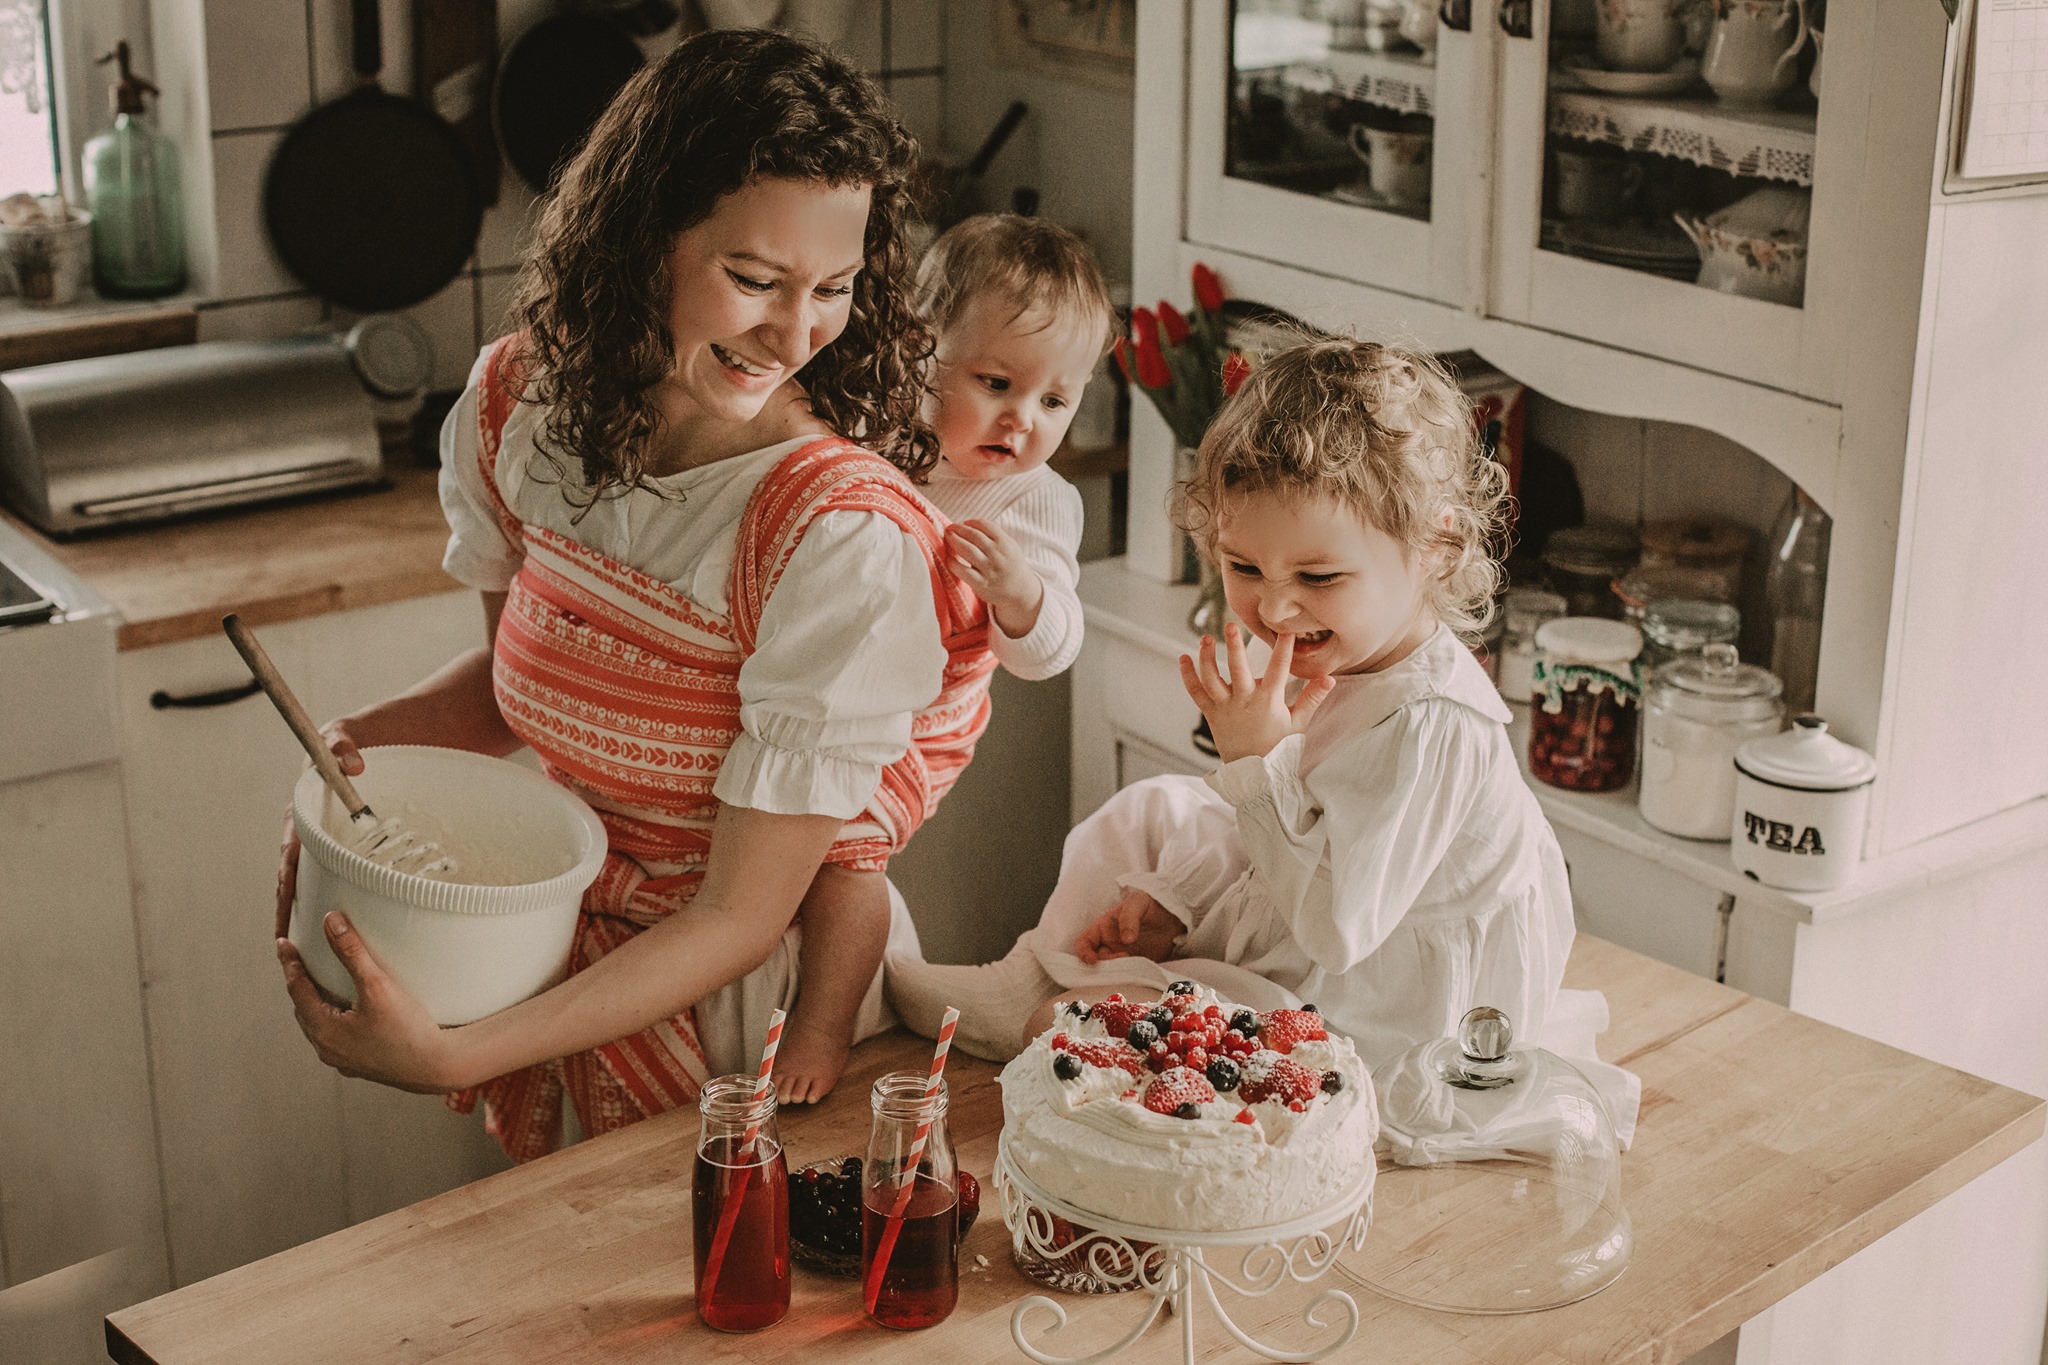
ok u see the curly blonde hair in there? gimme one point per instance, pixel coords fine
(720, 111)
(1384, 431)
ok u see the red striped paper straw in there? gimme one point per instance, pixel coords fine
(907, 1185)
(728, 1217)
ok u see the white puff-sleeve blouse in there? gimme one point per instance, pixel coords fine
(848, 647)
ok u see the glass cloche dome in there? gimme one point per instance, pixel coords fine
(1500, 1178)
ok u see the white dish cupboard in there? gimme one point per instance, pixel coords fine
(1895, 392)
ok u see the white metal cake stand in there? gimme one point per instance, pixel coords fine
(1173, 1265)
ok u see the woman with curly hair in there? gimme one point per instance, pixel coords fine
(716, 618)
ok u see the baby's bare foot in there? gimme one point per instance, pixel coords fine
(808, 1063)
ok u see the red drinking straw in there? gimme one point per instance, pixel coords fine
(908, 1183)
(730, 1214)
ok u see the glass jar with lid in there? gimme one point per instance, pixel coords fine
(1582, 563)
(1647, 583)
(1674, 627)
(1710, 548)
(1524, 610)
(1587, 696)
(1696, 713)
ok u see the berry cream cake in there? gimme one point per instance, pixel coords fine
(1189, 1113)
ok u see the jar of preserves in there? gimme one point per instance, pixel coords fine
(1524, 611)
(1582, 563)
(1710, 548)
(1676, 627)
(1587, 696)
(1697, 712)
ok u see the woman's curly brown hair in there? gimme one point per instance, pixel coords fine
(1384, 431)
(721, 110)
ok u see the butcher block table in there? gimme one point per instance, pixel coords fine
(1771, 1148)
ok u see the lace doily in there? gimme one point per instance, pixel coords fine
(1768, 144)
(1381, 79)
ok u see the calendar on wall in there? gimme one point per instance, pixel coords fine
(2004, 130)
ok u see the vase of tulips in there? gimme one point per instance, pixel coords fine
(1184, 364)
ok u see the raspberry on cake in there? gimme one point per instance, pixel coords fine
(1234, 1119)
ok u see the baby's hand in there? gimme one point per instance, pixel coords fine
(1249, 716)
(995, 567)
(1136, 926)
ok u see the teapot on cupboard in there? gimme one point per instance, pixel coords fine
(1748, 58)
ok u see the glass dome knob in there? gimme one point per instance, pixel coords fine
(1485, 1034)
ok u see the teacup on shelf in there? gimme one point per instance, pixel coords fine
(1398, 164)
(1640, 35)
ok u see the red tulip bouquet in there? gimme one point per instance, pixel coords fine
(1182, 362)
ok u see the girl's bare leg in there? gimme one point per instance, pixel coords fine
(845, 918)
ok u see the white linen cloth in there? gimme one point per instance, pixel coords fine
(1042, 512)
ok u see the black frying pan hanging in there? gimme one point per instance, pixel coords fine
(371, 200)
(556, 78)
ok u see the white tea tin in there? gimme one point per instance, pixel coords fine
(1800, 800)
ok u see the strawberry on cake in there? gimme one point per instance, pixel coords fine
(1189, 1113)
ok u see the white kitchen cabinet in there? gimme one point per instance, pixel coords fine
(81, 1216)
(262, 1146)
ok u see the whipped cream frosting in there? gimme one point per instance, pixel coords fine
(1091, 1142)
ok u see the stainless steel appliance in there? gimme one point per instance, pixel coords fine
(152, 435)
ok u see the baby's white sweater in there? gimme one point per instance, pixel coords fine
(1042, 512)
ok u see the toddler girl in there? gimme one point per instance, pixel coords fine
(1369, 846)
(1021, 317)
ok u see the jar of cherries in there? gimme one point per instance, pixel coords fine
(1586, 701)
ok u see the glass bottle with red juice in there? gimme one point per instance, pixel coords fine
(740, 1209)
(910, 1214)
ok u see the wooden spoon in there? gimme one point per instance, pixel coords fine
(281, 696)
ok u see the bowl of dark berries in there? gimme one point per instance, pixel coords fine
(824, 1214)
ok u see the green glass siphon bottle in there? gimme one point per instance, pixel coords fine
(131, 187)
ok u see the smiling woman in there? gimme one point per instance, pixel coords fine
(717, 619)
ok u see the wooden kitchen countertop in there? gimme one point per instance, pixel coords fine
(1771, 1148)
(282, 563)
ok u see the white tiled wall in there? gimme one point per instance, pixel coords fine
(269, 61)
(1075, 148)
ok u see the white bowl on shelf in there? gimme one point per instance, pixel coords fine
(464, 950)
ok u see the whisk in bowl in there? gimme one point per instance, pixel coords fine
(385, 840)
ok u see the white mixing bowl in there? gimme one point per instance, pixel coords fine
(463, 950)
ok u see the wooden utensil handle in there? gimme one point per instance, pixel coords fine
(287, 704)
